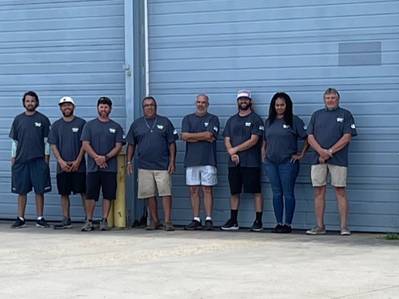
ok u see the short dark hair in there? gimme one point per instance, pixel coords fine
(149, 98)
(32, 94)
(105, 101)
(331, 90)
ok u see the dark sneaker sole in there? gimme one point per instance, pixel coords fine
(42, 226)
(87, 230)
(256, 230)
(62, 226)
(236, 228)
(17, 227)
(192, 228)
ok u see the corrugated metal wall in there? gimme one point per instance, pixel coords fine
(301, 47)
(57, 48)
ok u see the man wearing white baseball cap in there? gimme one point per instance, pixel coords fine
(243, 140)
(64, 139)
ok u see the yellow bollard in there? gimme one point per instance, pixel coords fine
(119, 205)
(111, 215)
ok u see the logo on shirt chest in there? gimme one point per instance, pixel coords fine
(160, 127)
(248, 124)
(38, 124)
(206, 124)
(286, 126)
(75, 130)
(340, 119)
(112, 130)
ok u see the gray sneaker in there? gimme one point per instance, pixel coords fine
(168, 226)
(345, 231)
(104, 224)
(317, 230)
(88, 227)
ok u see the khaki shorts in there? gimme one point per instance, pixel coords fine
(151, 182)
(319, 174)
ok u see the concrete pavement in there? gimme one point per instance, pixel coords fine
(134, 263)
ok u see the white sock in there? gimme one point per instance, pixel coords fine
(197, 219)
(208, 218)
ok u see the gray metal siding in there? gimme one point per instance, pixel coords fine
(57, 48)
(220, 46)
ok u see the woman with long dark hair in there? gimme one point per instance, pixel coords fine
(280, 153)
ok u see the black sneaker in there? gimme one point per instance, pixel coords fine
(65, 223)
(278, 229)
(257, 226)
(208, 225)
(19, 223)
(286, 229)
(230, 225)
(194, 225)
(42, 223)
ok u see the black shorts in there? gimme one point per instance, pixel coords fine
(34, 173)
(101, 180)
(71, 182)
(249, 177)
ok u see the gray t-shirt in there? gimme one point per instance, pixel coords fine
(152, 138)
(103, 137)
(200, 153)
(328, 126)
(240, 129)
(65, 135)
(29, 131)
(282, 139)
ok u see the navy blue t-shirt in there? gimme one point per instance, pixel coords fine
(152, 138)
(29, 131)
(328, 126)
(282, 139)
(200, 153)
(103, 137)
(240, 129)
(65, 135)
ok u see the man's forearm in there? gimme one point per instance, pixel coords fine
(114, 152)
(341, 143)
(247, 144)
(195, 137)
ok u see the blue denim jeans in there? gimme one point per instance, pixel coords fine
(282, 179)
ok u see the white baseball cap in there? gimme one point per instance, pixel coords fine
(66, 100)
(244, 94)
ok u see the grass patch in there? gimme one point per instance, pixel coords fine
(392, 237)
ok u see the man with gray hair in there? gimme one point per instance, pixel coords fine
(329, 133)
(200, 131)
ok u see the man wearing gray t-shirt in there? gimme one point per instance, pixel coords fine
(30, 156)
(200, 131)
(152, 137)
(102, 140)
(330, 131)
(66, 145)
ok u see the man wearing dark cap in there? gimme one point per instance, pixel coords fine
(30, 157)
(243, 140)
(102, 140)
(64, 139)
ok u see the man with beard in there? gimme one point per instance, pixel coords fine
(200, 131)
(102, 140)
(330, 131)
(30, 156)
(243, 140)
(64, 139)
(154, 137)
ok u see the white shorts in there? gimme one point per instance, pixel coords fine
(201, 175)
